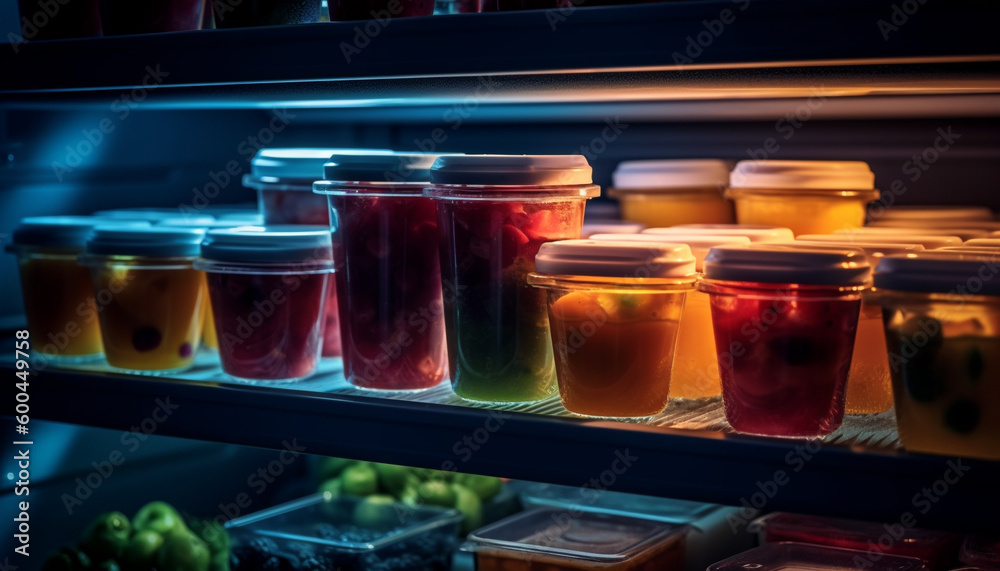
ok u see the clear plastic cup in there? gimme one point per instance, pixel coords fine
(494, 212)
(283, 179)
(59, 301)
(152, 299)
(785, 322)
(941, 312)
(696, 361)
(928, 242)
(670, 192)
(756, 233)
(614, 310)
(388, 271)
(268, 288)
(869, 384)
(810, 197)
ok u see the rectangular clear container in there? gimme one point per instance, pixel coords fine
(564, 540)
(937, 548)
(344, 534)
(800, 556)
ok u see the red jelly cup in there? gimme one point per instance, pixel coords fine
(785, 322)
(385, 244)
(283, 180)
(268, 289)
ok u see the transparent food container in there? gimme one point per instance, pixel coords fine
(344, 534)
(670, 192)
(388, 271)
(268, 291)
(695, 373)
(936, 548)
(152, 299)
(59, 301)
(941, 312)
(785, 322)
(614, 310)
(810, 197)
(796, 556)
(494, 213)
(562, 540)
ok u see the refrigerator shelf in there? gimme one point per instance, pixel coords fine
(858, 471)
(673, 51)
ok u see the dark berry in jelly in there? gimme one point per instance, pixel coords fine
(962, 416)
(185, 350)
(146, 338)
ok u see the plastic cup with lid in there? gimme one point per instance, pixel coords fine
(151, 300)
(386, 234)
(755, 232)
(58, 297)
(810, 197)
(494, 213)
(696, 363)
(614, 310)
(674, 191)
(268, 289)
(149, 214)
(941, 312)
(785, 322)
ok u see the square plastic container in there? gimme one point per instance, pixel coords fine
(800, 556)
(936, 548)
(941, 313)
(152, 299)
(810, 197)
(669, 192)
(785, 322)
(344, 534)
(388, 271)
(563, 540)
(494, 213)
(614, 310)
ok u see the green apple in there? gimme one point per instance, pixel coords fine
(484, 486)
(394, 478)
(436, 493)
(184, 552)
(333, 486)
(470, 506)
(332, 467)
(375, 512)
(160, 517)
(106, 537)
(359, 480)
(142, 548)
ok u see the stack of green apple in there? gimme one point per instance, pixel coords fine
(156, 538)
(385, 483)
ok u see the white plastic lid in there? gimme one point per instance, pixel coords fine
(202, 222)
(920, 231)
(268, 244)
(413, 168)
(938, 271)
(253, 218)
(151, 215)
(700, 245)
(611, 227)
(813, 175)
(615, 259)
(512, 170)
(873, 250)
(964, 249)
(62, 232)
(149, 241)
(936, 213)
(991, 242)
(753, 232)
(671, 174)
(981, 225)
(775, 263)
(929, 242)
(294, 168)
